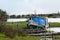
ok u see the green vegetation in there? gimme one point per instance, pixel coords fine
(9, 31)
(55, 24)
(3, 37)
(24, 24)
(17, 24)
(3, 15)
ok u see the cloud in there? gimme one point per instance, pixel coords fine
(37, 10)
(17, 6)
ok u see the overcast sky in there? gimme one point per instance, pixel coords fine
(23, 6)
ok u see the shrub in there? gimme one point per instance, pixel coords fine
(2, 26)
(9, 32)
(20, 31)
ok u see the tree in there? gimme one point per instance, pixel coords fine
(18, 16)
(6, 29)
(3, 15)
(3, 18)
(23, 16)
(27, 15)
(12, 16)
(50, 15)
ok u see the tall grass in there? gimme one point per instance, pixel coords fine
(24, 24)
(2, 37)
(54, 24)
(17, 24)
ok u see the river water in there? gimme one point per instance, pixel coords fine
(51, 37)
(46, 39)
(24, 19)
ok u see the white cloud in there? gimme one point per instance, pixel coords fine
(42, 6)
(38, 11)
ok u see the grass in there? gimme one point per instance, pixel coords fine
(2, 37)
(54, 24)
(18, 24)
(21, 25)
(24, 24)
(27, 38)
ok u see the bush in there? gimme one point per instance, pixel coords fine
(9, 32)
(54, 24)
(2, 26)
(20, 32)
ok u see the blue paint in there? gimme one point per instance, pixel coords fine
(39, 21)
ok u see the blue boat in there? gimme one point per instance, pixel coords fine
(36, 22)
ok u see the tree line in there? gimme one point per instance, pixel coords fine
(4, 16)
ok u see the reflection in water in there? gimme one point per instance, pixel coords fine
(45, 38)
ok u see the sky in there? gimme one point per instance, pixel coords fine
(19, 7)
